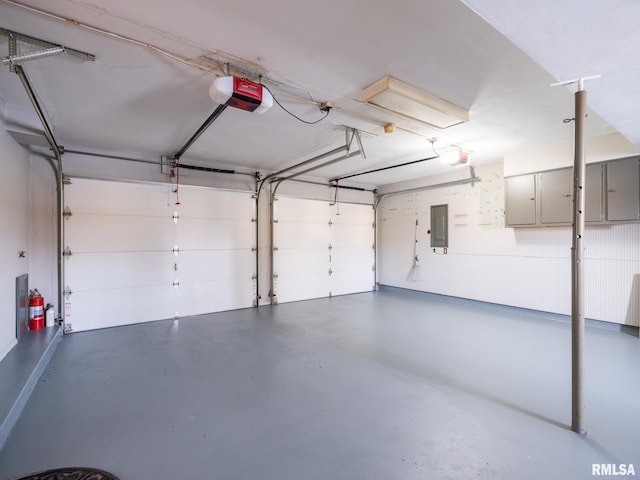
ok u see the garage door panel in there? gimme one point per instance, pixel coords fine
(352, 213)
(300, 260)
(304, 286)
(353, 281)
(208, 234)
(198, 202)
(202, 266)
(108, 308)
(204, 297)
(299, 209)
(351, 259)
(113, 233)
(115, 198)
(301, 235)
(122, 236)
(350, 235)
(96, 271)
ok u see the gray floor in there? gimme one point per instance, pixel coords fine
(386, 385)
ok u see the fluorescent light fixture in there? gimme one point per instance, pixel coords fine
(455, 158)
(391, 94)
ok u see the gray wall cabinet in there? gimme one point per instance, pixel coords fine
(556, 196)
(546, 198)
(623, 190)
(520, 201)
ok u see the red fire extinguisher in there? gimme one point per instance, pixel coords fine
(36, 310)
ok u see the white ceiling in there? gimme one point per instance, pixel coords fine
(135, 99)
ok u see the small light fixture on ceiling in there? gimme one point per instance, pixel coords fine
(455, 158)
(391, 94)
(389, 128)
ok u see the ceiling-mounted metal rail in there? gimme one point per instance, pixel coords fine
(277, 174)
(279, 180)
(38, 42)
(472, 180)
(207, 123)
(48, 133)
(337, 179)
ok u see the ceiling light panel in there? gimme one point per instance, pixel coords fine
(391, 94)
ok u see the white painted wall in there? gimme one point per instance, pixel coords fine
(549, 157)
(525, 267)
(14, 231)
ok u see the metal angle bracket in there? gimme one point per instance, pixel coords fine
(13, 50)
(44, 44)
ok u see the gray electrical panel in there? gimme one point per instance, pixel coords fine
(439, 226)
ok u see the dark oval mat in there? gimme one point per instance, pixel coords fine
(69, 474)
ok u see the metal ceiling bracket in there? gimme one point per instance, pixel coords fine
(359, 140)
(13, 49)
(44, 45)
(12, 59)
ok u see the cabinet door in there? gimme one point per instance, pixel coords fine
(593, 201)
(623, 190)
(520, 200)
(556, 197)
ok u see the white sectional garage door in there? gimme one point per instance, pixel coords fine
(136, 256)
(320, 253)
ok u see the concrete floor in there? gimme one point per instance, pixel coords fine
(386, 385)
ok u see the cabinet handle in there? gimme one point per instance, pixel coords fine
(611, 190)
(532, 198)
(565, 195)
